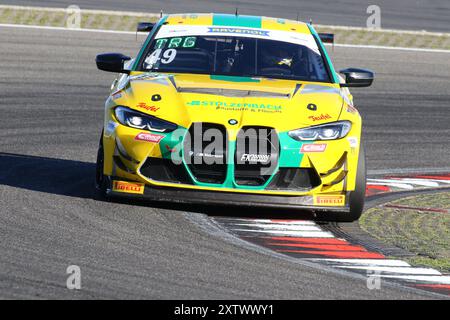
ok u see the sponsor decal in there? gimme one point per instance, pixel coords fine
(321, 117)
(263, 158)
(313, 148)
(254, 32)
(244, 31)
(187, 42)
(128, 187)
(143, 105)
(149, 137)
(332, 201)
(206, 155)
(236, 106)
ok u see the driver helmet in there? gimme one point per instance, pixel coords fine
(274, 56)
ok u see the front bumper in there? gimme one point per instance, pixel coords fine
(192, 196)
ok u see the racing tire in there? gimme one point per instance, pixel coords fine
(356, 198)
(100, 179)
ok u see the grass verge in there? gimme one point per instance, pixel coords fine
(425, 233)
(127, 21)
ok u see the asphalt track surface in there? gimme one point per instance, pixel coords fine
(51, 100)
(430, 15)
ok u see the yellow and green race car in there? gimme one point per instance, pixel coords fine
(233, 110)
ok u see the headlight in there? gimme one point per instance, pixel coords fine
(328, 131)
(138, 120)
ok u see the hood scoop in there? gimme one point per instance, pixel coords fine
(235, 92)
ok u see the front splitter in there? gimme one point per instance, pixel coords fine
(175, 195)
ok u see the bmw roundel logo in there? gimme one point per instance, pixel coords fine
(232, 122)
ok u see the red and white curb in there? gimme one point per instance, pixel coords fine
(406, 183)
(308, 241)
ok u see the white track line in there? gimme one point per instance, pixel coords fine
(362, 46)
(268, 221)
(396, 31)
(67, 29)
(290, 233)
(421, 279)
(151, 14)
(103, 12)
(440, 181)
(397, 185)
(403, 270)
(419, 182)
(367, 262)
(425, 171)
(131, 32)
(280, 226)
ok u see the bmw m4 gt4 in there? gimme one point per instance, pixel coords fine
(233, 110)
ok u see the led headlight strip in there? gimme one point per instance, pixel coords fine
(138, 120)
(328, 131)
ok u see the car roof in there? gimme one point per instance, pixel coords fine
(232, 20)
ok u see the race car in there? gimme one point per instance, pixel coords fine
(233, 110)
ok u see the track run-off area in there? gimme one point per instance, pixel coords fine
(52, 99)
(321, 244)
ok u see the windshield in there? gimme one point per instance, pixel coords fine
(235, 56)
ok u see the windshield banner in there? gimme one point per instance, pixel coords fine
(307, 40)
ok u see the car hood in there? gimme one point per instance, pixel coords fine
(184, 99)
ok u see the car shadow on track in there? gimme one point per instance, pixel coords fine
(231, 211)
(58, 176)
(76, 179)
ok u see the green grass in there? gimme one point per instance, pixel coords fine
(436, 263)
(427, 234)
(437, 201)
(386, 38)
(58, 19)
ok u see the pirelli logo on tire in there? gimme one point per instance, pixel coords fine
(329, 201)
(128, 187)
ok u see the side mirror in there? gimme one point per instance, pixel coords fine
(145, 26)
(327, 37)
(357, 77)
(112, 62)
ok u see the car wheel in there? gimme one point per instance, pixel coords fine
(356, 198)
(100, 180)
